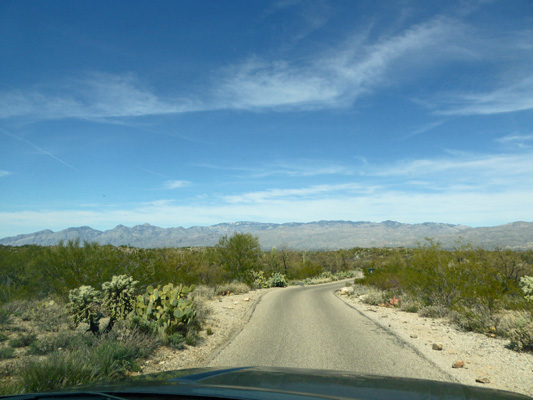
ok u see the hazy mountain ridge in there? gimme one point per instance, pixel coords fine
(305, 236)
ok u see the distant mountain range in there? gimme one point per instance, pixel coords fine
(321, 235)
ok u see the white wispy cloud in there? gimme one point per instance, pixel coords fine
(303, 168)
(494, 172)
(295, 168)
(425, 128)
(176, 184)
(4, 173)
(96, 95)
(520, 141)
(286, 194)
(335, 78)
(512, 96)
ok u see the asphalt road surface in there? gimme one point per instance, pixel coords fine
(309, 327)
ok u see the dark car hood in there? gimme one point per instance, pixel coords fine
(261, 383)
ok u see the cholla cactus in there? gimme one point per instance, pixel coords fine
(526, 284)
(83, 305)
(119, 296)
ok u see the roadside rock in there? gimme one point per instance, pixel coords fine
(346, 290)
(458, 364)
(437, 346)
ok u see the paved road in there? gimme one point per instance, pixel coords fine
(309, 327)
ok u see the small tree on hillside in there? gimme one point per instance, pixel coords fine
(238, 255)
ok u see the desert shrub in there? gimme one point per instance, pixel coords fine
(84, 306)
(7, 353)
(239, 255)
(176, 340)
(49, 316)
(118, 296)
(233, 287)
(18, 308)
(3, 337)
(526, 284)
(327, 276)
(411, 303)
(192, 339)
(479, 318)
(59, 370)
(521, 336)
(114, 358)
(359, 290)
(66, 340)
(141, 344)
(22, 340)
(346, 274)
(105, 358)
(434, 311)
(204, 292)
(259, 280)
(277, 280)
(5, 317)
(143, 325)
(374, 298)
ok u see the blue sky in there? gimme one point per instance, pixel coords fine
(181, 113)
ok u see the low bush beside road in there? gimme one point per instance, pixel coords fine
(480, 291)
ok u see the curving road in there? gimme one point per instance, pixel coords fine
(309, 327)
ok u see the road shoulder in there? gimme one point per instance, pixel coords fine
(484, 358)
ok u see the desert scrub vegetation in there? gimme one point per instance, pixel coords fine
(37, 272)
(102, 336)
(477, 289)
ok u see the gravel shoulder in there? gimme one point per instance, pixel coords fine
(484, 358)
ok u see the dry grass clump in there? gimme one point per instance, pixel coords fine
(204, 292)
(73, 358)
(411, 304)
(433, 311)
(518, 327)
(233, 287)
(374, 298)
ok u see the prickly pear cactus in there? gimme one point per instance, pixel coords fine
(167, 306)
(277, 280)
(119, 296)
